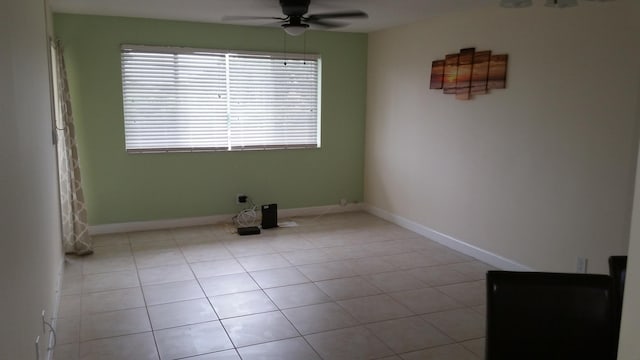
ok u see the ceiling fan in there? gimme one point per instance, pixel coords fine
(295, 19)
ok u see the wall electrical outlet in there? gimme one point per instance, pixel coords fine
(241, 199)
(581, 265)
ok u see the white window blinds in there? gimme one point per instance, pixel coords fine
(179, 99)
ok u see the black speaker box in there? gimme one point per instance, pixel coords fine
(269, 216)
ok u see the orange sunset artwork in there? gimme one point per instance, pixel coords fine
(469, 72)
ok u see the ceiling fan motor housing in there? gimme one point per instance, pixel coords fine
(294, 8)
(295, 18)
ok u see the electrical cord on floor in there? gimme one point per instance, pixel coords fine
(246, 217)
(53, 331)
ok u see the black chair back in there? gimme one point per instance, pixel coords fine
(547, 316)
(618, 272)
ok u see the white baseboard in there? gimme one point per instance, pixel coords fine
(157, 224)
(446, 240)
(449, 241)
(214, 219)
(320, 210)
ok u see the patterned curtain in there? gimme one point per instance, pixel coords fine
(75, 230)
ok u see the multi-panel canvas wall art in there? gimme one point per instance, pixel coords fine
(469, 72)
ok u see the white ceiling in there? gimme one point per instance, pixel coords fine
(382, 13)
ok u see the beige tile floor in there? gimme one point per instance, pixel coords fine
(344, 286)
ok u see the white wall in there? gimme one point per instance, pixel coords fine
(541, 172)
(30, 244)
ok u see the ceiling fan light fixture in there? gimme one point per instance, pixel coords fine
(560, 4)
(295, 29)
(515, 3)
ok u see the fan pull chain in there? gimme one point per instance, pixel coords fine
(285, 47)
(304, 62)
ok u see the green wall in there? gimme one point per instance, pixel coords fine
(122, 187)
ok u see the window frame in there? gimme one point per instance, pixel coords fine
(227, 53)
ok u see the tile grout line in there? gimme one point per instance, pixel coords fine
(144, 299)
(280, 310)
(210, 301)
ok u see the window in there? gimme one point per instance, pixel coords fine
(178, 99)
